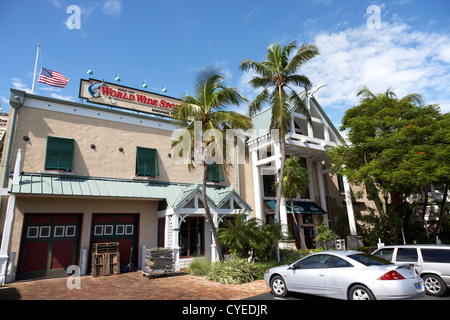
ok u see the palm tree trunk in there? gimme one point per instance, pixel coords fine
(297, 224)
(208, 214)
(280, 176)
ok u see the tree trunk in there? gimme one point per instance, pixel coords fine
(280, 177)
(208, 214)
(425, 204)
(297, 224)
(441, 214)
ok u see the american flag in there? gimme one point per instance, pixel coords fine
(53, 78)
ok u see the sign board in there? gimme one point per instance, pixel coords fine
(113, 95)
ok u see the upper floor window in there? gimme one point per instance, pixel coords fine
(147, 162)
(215, 173)
(59, 154)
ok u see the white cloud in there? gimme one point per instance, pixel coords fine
(112, 7)
(17, 83)
(408, 61)
(61, 97)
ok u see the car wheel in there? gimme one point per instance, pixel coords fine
(278, 287)
(359, 292)
(434, 285)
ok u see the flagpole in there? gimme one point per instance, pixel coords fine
(35, 65)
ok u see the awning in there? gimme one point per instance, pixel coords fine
(304, 207)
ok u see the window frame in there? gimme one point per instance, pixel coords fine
(214, 173)
(142, 168)
(57, 143)
(186, 226)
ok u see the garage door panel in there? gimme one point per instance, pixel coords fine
(62, 254)
(49, 244)
(34, 253)
(121, 228)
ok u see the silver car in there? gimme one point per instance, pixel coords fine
(351, 275)
(432, 263)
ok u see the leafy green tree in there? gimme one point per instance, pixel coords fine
(295, 181)
(278, 77)
(207, 109)
(397, 144)
(249, 238)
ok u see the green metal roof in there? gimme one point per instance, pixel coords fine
(173, 193)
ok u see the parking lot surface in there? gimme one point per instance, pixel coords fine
(130, 286)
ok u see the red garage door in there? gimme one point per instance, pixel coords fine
(49, 245)
(121, 228)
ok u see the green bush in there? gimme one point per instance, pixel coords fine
(260, 268)
(288, 256)
(199, 267)
(234, 271)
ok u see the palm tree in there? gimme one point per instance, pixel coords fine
(278, 77)
(207, 108)
(365, 93)
(295, 181)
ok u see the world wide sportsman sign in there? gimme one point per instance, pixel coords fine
(116, 96)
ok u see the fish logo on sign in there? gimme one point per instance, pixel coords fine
(94, 86)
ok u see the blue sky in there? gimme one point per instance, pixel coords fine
(167, 42)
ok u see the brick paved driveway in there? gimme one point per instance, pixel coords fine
(131, 286)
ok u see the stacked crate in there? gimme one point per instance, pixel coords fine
(158, 261)
(105, 259)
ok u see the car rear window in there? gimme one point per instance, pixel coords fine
(436, 255)
(369, 260)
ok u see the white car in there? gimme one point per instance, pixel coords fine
(348, 275)
(431, 261)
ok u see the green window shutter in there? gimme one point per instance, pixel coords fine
(59, 154)
(147, 162)
(215, 173)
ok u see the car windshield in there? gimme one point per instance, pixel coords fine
(368, 259)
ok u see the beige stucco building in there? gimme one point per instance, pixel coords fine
(103, 172)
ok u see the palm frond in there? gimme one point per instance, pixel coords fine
(365, 93)
(303, 55)
(299, 104)
(413, 97)
(299, 80)
(260, 68)
(256, 105)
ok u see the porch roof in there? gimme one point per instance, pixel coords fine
(173, 193)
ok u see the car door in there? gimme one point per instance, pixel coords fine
(309, 274)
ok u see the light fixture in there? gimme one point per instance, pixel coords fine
(164, 88)
(144, 84)
(90, 72)
(117, 78)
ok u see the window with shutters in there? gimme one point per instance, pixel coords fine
(147, 162)
(59, 154)
(215, 173)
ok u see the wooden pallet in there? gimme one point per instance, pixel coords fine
(105, 247)
(105, 259)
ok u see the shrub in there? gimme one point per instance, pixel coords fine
(234, 271)
(260, 268)
(290, 256)
(199, 267)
